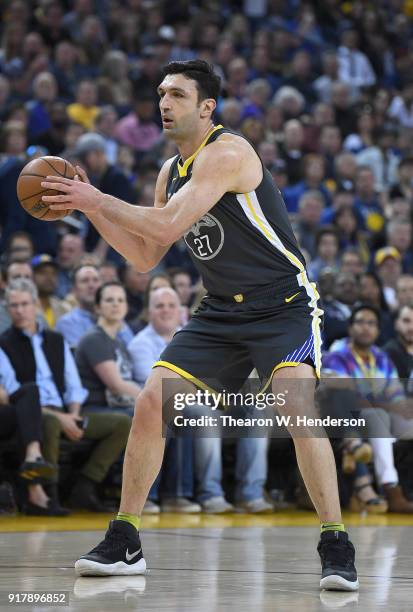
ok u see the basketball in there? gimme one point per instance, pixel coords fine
(30, 191)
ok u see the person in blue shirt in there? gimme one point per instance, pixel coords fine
(82, 319)
(376, 380)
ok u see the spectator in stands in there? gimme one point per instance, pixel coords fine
(13, 218)
(345, 168)
(66, 68)
(313, 179)
(21, 415)
(346, 221)
(380, 157)
(42, 356)
(91, 150)
(322, 114)
(361, 360)
(13, 271)
(366, 201)
(45, 271)
(345, 116)
(337, 309)
(310, 208)
(362, 137)
(301, 76)
(327, 245)
(84, 109)
(182, 283)
(351, 261)
(371, 292)
(257, 96)
(290, 102)
(175, 484)
(135, 284)
(291, 150)
(403, 188)
(236, 81)
(354, 66)
(69, 252)
(399, 236)
(113, 83)
(268, 152)
(401, 107)
(108, 272)
(400, 348)
(44, 94)
(387, 262)
(74, 18)
(230, 112)
(157, 281)
(104, 363)
(105, 124)
(323, 84)
(81, 319)
(329, 147)
(53, 137)
(404, 290)
(138, 129)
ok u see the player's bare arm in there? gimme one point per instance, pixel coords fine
(142, 252)
(229, 164)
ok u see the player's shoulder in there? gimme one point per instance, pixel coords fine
(229, 149)
(231, 141)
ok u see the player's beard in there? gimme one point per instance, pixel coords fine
(184, 129)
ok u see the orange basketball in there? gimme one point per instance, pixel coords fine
(30, 191)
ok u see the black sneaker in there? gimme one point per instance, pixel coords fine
(119, 554)
(337, 562)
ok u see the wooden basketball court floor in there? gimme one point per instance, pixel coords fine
(204, 563)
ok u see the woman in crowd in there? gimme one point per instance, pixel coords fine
(104, 364)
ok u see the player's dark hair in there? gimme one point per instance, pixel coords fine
(207, 81)
(364, 306)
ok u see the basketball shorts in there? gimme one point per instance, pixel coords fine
(226, 339)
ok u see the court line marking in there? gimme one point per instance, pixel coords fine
(204, 570)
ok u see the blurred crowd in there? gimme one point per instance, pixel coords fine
(324, 92)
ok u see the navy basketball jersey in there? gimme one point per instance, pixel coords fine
(245, 241)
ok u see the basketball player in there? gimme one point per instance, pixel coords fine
(260, 311)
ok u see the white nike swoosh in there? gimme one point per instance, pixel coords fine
(133, 555)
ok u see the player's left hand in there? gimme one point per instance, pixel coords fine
(75, 193)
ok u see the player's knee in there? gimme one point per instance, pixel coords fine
(147, 410)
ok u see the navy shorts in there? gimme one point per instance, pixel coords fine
(227, 338)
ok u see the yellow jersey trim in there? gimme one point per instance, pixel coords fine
(252, 209)
(279, 366)
(183, 169)
(187, 376)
